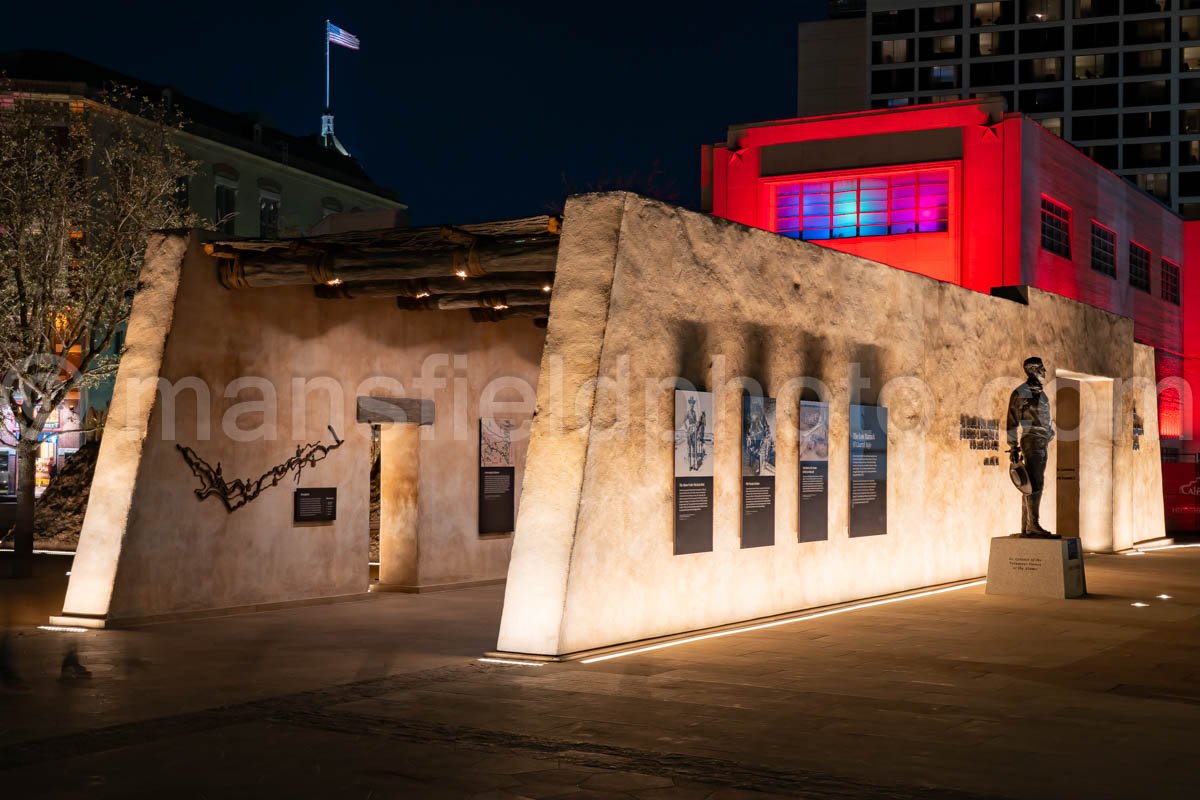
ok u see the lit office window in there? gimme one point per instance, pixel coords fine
(1139, 267)
(1056, 228)
(1170, 282)
(1104, 249)
(864, 205)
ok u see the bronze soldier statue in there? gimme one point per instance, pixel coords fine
(1029, 424)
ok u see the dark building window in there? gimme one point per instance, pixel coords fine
(1104, 34)
(1040, 40)
(1148, 123)
(1189, 155)
(892, 80)
(268, 216)
(1147, 31)
(1157, 184)
(1189, 91)
(1039, 101)
(1056, 228)
(864, 205)
(1096, 8)
(941, 18)
(938, 47)
(1189, 182)
(1103, 126)
(1147, 93)
(1104, 249)
(1041, 69)
(1105, 155)
(887, 22)
(1170, 282)
(1147, 62)
(1147, 154)
(1189, 120)
(226, 208)
(1139, 267)
(992, 73)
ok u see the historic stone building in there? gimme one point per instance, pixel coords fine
(252, 180)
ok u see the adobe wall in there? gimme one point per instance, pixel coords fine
(149, 547)
(646, 292)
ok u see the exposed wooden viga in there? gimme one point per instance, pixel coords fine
(504, 269)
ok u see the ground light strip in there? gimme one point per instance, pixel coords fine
(512, 662)
(1143, 550)
(62, 628)
(777, 623)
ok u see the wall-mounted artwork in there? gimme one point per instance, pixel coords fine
(497, 476)
(813, 446)
(758, 471)
(693, 472)
(237, 493)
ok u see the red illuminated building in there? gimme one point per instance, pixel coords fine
(966, 193)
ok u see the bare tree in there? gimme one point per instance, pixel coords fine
(82, 183)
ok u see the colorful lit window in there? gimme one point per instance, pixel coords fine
(1056, 228)
(864, 205)
(1104, 250)
(1170, 282)
(1139, 267)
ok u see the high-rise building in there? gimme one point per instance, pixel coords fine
(1119, 79)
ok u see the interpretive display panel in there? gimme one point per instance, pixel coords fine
(758, 471)
(314, 505)
(813, 446)
(868, 470)
(497, 476)
(693, 472)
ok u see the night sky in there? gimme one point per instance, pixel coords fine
(468, 110)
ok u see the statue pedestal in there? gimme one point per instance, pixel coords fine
(1036, 567)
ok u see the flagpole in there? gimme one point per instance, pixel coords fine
(326, 66)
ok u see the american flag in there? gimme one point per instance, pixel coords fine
(339, 36)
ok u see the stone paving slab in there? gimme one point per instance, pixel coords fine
(960, 695)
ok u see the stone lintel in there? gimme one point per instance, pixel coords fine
(382, 410)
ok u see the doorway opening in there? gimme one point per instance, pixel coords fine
(1083, 459)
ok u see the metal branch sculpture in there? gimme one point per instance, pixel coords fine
(237, 493)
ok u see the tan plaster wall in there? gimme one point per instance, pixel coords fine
(706, 299)
(178, 554)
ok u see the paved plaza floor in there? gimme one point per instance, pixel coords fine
(958, 695)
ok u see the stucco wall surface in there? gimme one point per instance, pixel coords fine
(707, 300)
(178, 554)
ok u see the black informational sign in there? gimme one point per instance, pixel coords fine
(868, 470)
(693, 472)
(497, 496)
(813, 448)
(758, 471)
(314, 505)
(497, 477)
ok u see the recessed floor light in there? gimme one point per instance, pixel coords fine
(1163, 596)
(1139, 605)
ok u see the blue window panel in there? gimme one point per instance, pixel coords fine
(873, 230)
(817, 233)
